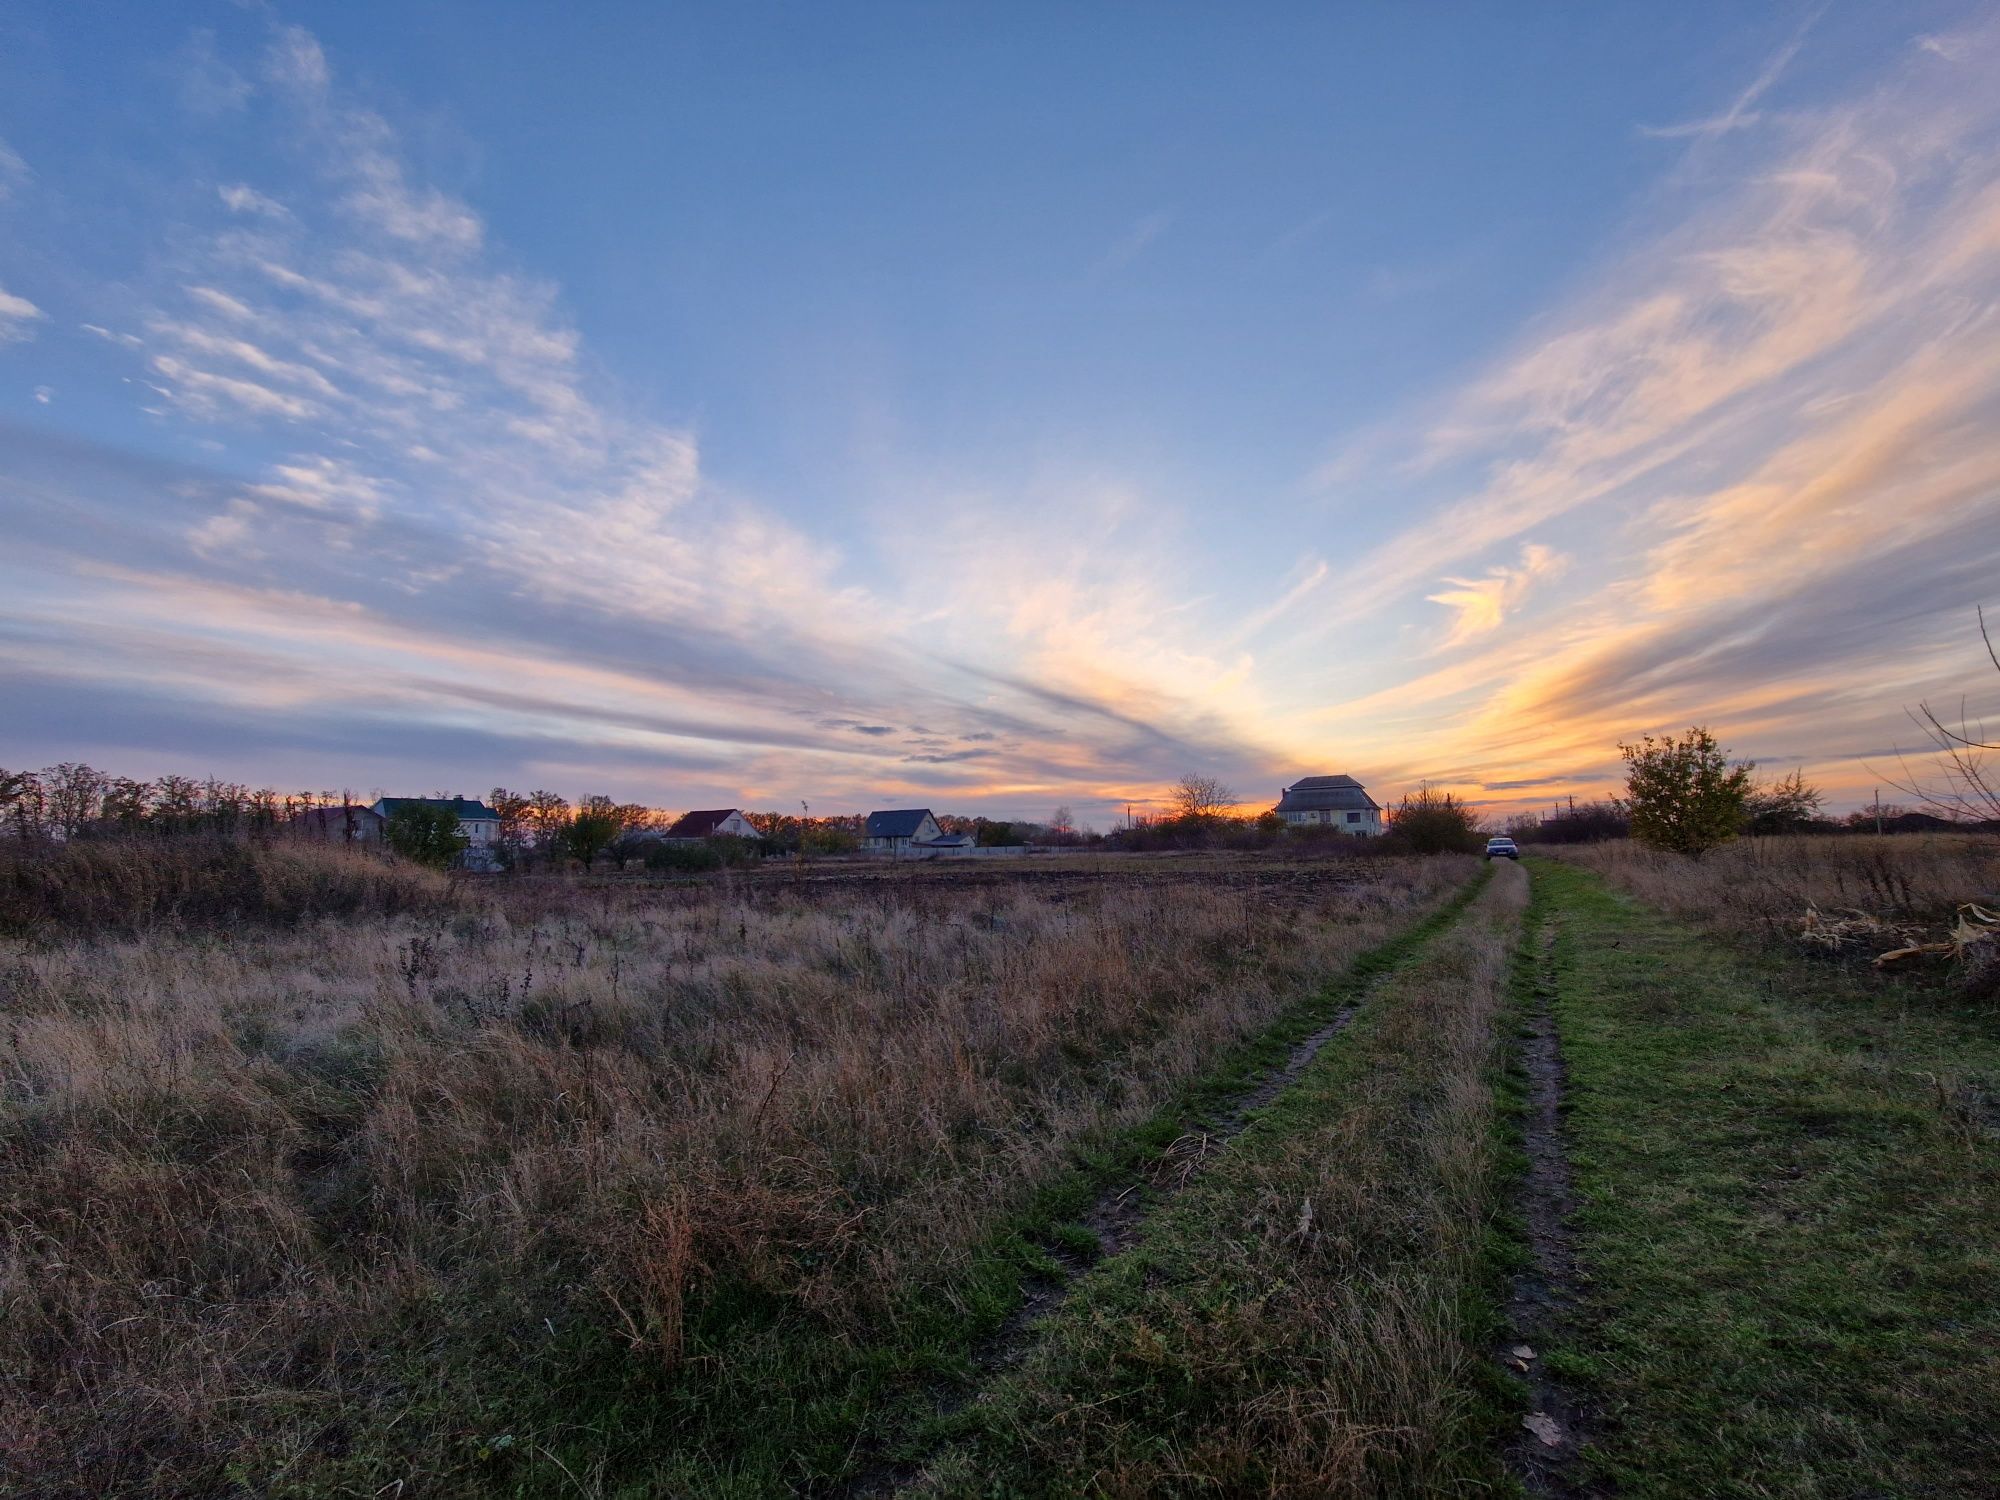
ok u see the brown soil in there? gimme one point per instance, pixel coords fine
(1541, 1300)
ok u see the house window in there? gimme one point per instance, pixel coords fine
(1354, 817)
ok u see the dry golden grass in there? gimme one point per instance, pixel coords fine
(98, 886)
(1763, 888)
(251, 1181)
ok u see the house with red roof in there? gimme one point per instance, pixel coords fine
(714, 823)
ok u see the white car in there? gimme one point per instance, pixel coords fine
(1502, 848)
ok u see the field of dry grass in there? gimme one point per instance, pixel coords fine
(284, 1207)
(1905, 886)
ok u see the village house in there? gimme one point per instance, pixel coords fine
(478, 824)
(715, 823)
(1331, 802)
(900, 830)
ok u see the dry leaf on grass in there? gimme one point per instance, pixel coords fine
(1545, 1427)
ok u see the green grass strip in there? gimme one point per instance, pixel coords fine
(1792, 1236)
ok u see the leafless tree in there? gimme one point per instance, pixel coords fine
(1959, 785)
(1201, 799)
(75, 797)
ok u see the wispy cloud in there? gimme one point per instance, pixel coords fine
(14, 172)
(239, 198)
(1769, 434)
(1760, 433)
(1134, 242)
(208, 85)
(98, 330)
(17, 317)
(1481, 605)
(1309, 576)
(1742, 112)
(1849, 243)
(461, 531)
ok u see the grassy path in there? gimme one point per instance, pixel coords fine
(1309, 1314)
(1097, 1213)
(1791, 1231)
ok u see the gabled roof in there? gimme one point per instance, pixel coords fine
(700, 825)
(1326, 794)
(465, 809)
(897, 823)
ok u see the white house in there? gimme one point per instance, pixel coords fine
(898, 830)
(478, 824)
(716, 823)
(1331, 802)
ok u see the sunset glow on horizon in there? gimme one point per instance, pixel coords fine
(733, 406)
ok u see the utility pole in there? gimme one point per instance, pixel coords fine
(1878, 812)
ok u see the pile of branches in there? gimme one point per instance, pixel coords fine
(1974, 938)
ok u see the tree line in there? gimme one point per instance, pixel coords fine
(73, 800)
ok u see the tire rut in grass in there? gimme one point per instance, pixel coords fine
(1113, 1222)
(1541, 1298)
(1115, 1219)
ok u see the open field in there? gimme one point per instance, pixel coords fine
(336, 1204)
(1223, 1175)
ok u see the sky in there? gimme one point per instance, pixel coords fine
(993, 408)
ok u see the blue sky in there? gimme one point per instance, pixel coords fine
(992, 408)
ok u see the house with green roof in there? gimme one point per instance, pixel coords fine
(478, 825)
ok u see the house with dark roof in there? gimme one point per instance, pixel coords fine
(900, 830)
(478, 824)
(714, 823)
(1331, 802)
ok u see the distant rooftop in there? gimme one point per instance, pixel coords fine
(699, 825)
(1326, 794)
(896, 823)
(465, 809)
